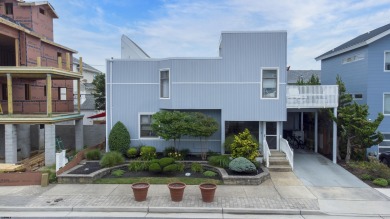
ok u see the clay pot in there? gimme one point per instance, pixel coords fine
(140, 191)
(208, 191)
(177, 190)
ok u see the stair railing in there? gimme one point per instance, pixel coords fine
(267, 152)
(285, 147)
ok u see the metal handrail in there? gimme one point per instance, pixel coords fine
(285, 147)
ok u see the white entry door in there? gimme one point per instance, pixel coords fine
(271, 135)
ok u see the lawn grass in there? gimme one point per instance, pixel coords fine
(157, 180)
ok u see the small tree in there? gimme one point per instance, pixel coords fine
(314, 80)
(119, 138)
(245, 146)
(202, 127)
(169, 125)
(100, 91)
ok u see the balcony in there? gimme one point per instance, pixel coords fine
(312, 96)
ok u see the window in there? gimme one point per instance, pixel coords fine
(357, 96)
(9, 8)
(44, 91)
(164, 84)
(146, 126)
(270, 83)
(353, 58)
(387, 61)
(386, 104)
(61, 93)
(4, 92)
(27, 93)
(41, 11)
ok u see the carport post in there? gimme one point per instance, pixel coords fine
(335, 136)
(316, 132)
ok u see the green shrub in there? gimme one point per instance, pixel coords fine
(155, 167)
(366, 176)
(118, 173)
(242, 165)
(154, 161)
(257, 164)
(219, 161)
(181, 167)
(196, 167)
(184, 152)
(209, 173)
(380, 182)
(138, 166)
(93, 154)
(228, 144)
(171, 168)
(111, 159)
(148, 152)
(212, 153)
(168, 150)
(166, 161)
(132, 152)
(176, 155)
(51, 171)
(244, 145)
(374, 168)
(119, 138)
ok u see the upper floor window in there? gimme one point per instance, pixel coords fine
(387, 60)
(269, 83)
(41, 10)
(27, 92)
(386, 104)
(353, 58)
(145, 126)
(62, 93)
(4, 92)
(9, 8)
(164, 84)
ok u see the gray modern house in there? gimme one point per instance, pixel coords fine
(244, 87)
(364, 65)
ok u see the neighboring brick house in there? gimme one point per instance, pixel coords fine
(36, 81)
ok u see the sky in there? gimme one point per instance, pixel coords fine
(184, 28)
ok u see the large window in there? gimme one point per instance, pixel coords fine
(386, 104)
(164, 84)
(9, 8)
(62, 93)
(269, 83)
(145, 126)
(387, 60)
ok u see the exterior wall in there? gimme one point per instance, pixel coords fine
(353, 74)
(2, 141)
(93, 134)
(378, 80)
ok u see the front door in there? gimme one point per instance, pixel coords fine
(271, 135)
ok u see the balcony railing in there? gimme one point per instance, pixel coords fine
(312, 96)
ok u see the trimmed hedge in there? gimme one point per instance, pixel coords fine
(119, 138)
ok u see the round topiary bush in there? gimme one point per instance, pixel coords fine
(111, 159)
(132, 152)
(242, 165)
(148, 152)
(380, 182)
(166, 161)
(171, 168)
(119, 138)
(155, 167)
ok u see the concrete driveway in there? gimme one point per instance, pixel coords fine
(315, 170)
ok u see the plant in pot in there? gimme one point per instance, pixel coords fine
(140, 191)
(208, 191)
(177, 190)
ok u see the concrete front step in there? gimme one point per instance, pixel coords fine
(279, 168)
(277, 154)
(282, 161)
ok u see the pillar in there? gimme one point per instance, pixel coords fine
(78, 96)
(24, 141)
(50, 144)
(17, 60)
(9, 91)
(302, 123)
(10, 144)
(316, 132)
(222, 134)
(48, 95)
(335, 136)
(79, 134)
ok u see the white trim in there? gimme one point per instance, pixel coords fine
(277, 83)
(133, 83)
(341, 51)
(383, 103)
(377, 37)
(139, 126)
(384, 60)
(214, 82)
(169, 83)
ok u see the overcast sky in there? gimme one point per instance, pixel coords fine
(164, 28)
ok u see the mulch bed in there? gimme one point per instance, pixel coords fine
(87, 168)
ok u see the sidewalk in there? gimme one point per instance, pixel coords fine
(283, 194)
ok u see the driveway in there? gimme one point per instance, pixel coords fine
(315, 170)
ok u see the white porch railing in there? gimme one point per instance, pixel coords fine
(285, 147)
(267, 152)
(312, 96)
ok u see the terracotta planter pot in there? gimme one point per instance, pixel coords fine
(140, 191)
(177, 190)
(208, 191)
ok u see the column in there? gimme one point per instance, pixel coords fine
(48, 95)
(79, 134)
(78, 96)
(24, 140)
(222, 134)
(302, 121)
(316, 132)
(50, 144)
(9, 91)
(10, 144)
(335, 136)
(17, 60)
